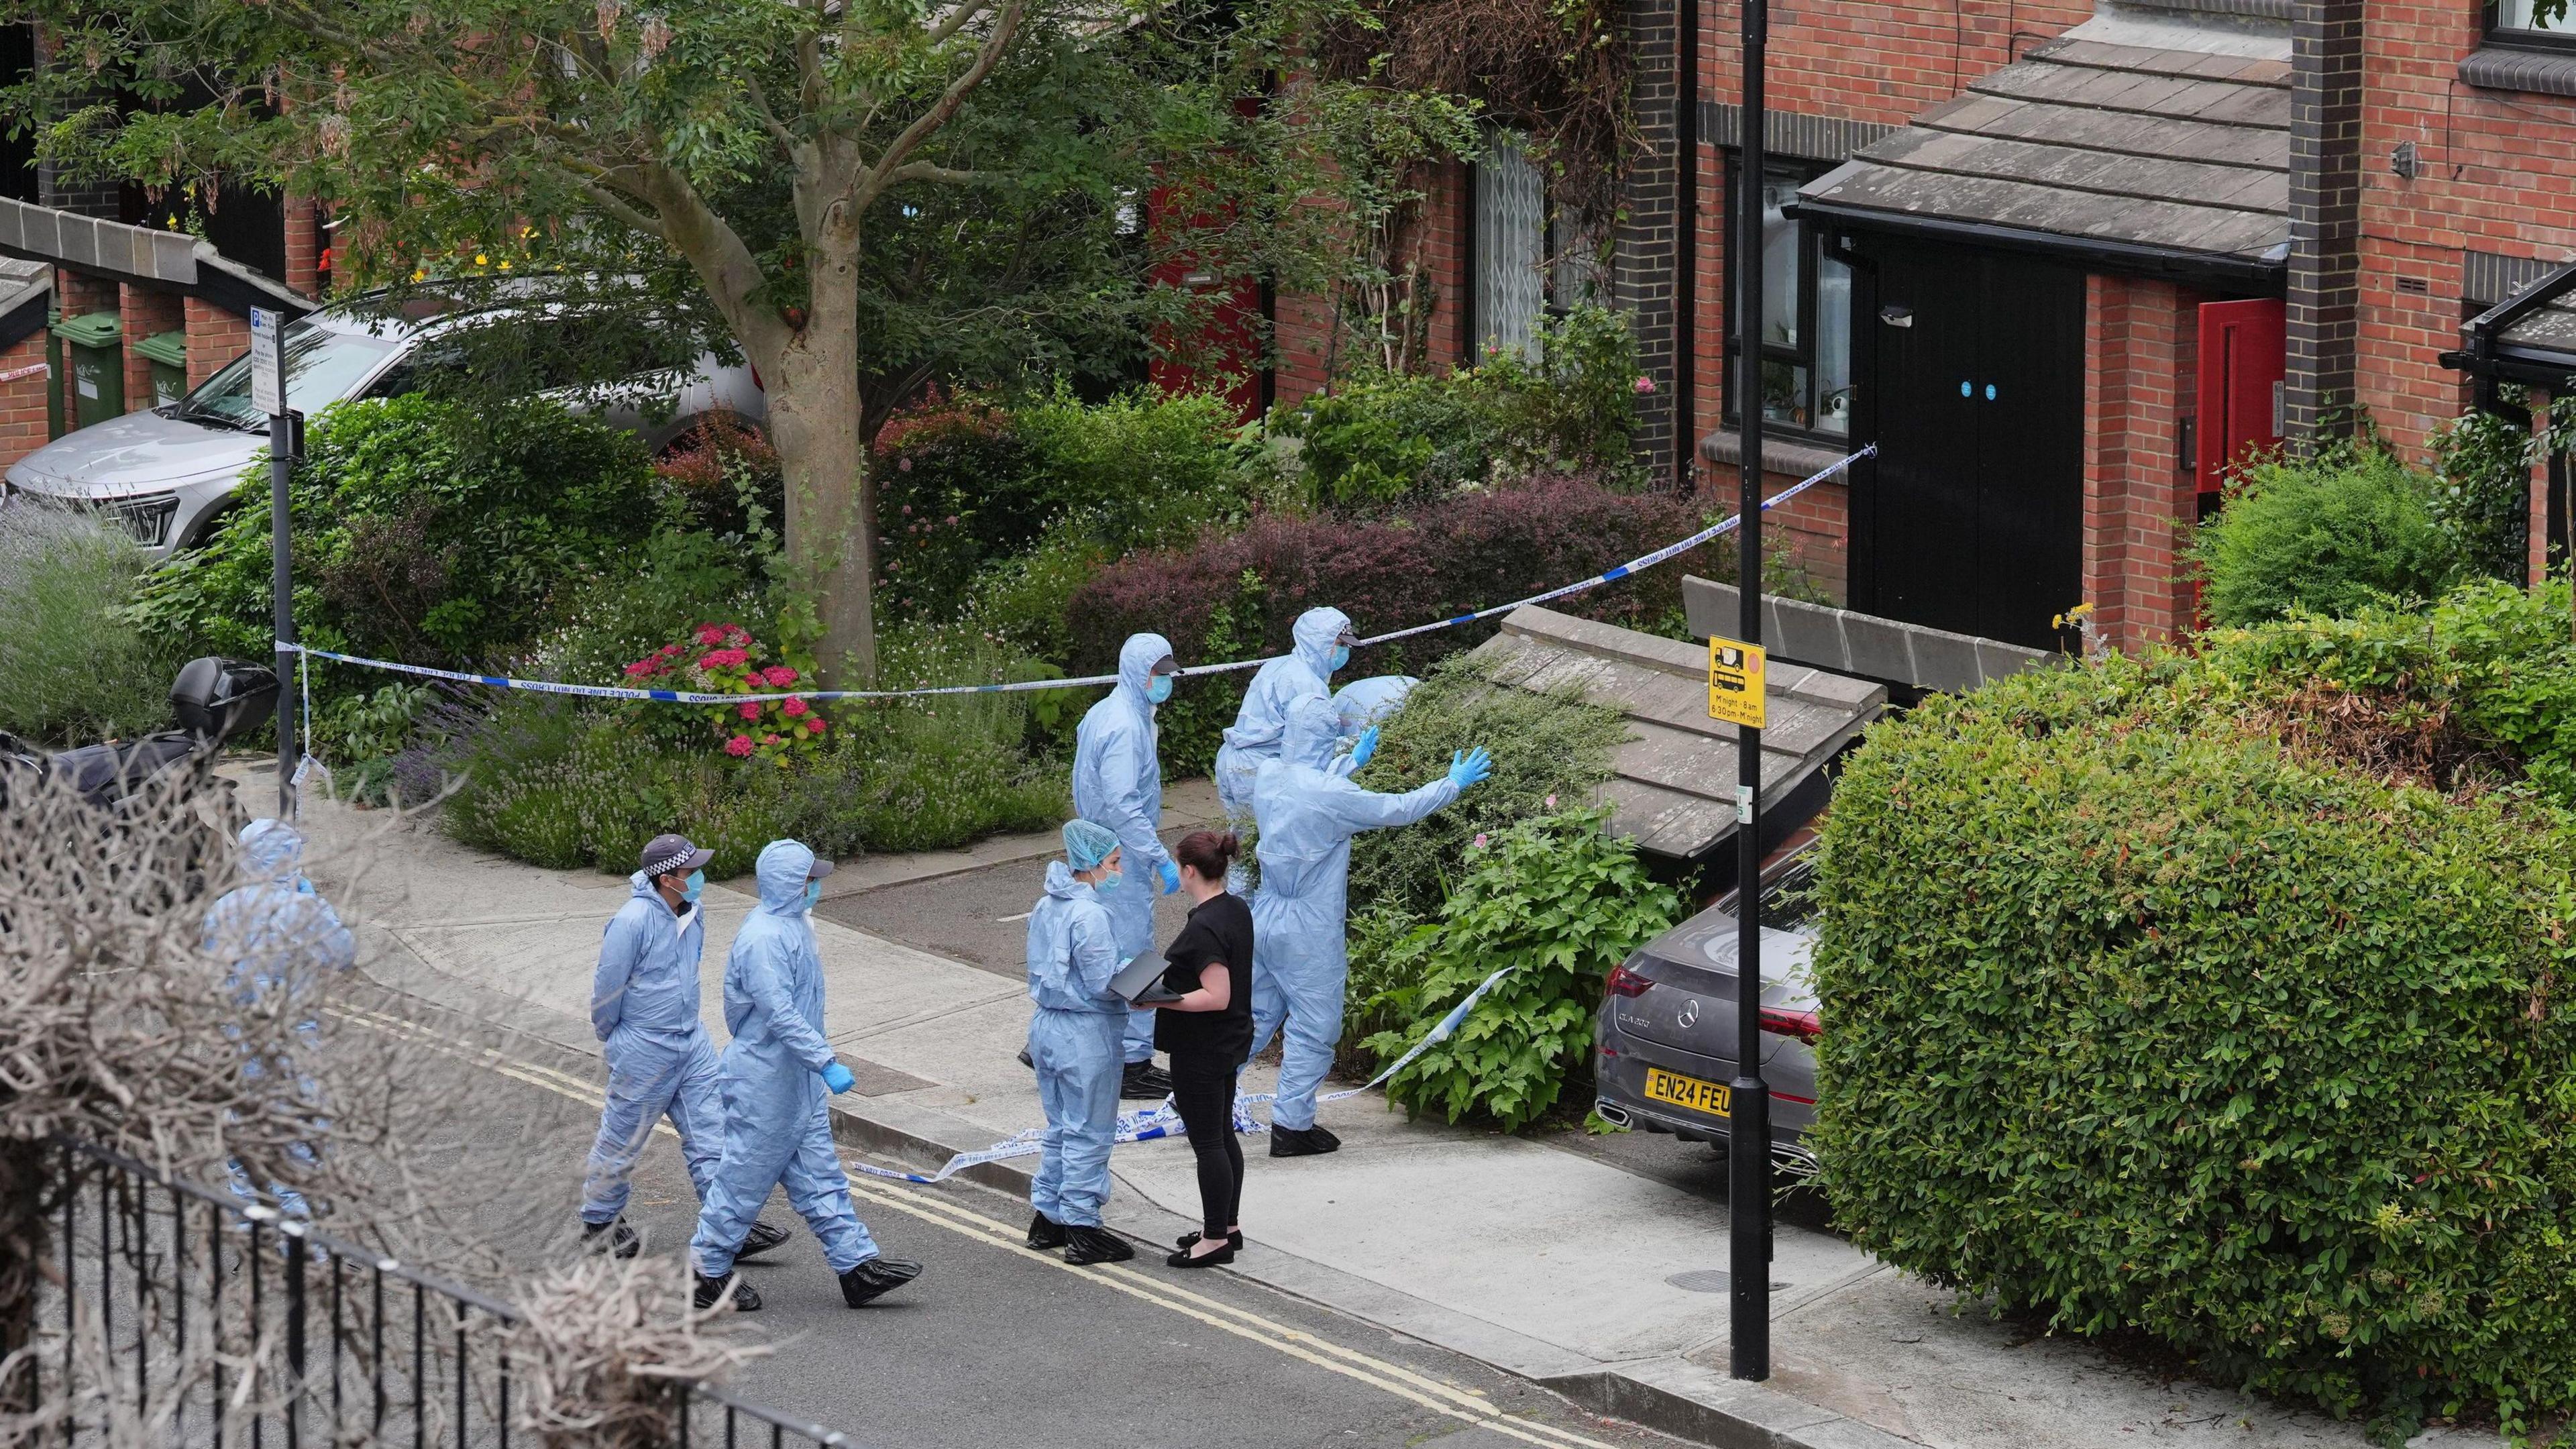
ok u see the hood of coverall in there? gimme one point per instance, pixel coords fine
(1314, 732)
(1315, 631)
(1136, 660)
(781, 871)
(1061, 884)
(271, 849)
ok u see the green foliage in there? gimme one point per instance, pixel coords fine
(1385, 436)
(366, 733)
(1145, 469)
(1551, 751)
(1021, 601)
(567, 786)
(2482, 463)
(2138, 1019)
(73, 666)
(1558, 901)
(424, 531)
(2330, 534)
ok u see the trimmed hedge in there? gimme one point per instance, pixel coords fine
(2137, 1019)
(1236, 596)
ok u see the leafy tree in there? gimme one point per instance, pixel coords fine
(853, 193)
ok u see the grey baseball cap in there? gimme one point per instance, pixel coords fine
(821, 868)
(673, 855)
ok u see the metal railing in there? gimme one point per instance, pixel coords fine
(186, 1315)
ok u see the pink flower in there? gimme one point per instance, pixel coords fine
(724, 659)
(814, 724)
(1645, 384)
(747, 710)
(793, 708)
(1551, 802)
(778, 676)
(952, 521)
(901, 465)
(640, 666)
(739, 746)
(765, 739)
(1481, 840)
(736, 635)
(710, 633)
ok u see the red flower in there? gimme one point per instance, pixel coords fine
(724, 659)
(769, 739)
(640, 666)
(793, 707)
(711, 633)
(814, 724)
(739, 746)
(778, 676)
(747, 710)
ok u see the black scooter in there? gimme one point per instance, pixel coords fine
(212, 701)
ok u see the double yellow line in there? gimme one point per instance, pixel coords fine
(1464, 1405)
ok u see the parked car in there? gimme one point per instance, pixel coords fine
(1664, 1041)
(170, 472)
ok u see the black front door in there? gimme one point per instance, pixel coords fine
(1971, 373)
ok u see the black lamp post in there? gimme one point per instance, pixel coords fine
(1748, 1176)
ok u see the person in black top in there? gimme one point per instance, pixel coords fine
(1208, 1033)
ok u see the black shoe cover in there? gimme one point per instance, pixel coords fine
(711, 1289)
(1095, 1245)
(614, 1236)
(1146, 1082)
(1312, 1142)
(1045, 1232)
(874, 1279)
(759, 1240)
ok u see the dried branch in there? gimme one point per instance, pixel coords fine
(605, 1348)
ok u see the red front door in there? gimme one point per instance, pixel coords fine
(2240, 388)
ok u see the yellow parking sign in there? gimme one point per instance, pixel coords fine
(1735, 682)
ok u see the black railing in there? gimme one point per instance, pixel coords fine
(186, 1315)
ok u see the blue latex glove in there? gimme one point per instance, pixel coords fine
(1366, 749)
(838, 1078)
(1470, 767)
(1171, 877)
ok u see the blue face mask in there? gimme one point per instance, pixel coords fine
(1341, 655)
(696, 882)
(1109, 882)
(1160, 689)
(813, 893)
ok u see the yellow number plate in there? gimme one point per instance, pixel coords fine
(1691, 1092)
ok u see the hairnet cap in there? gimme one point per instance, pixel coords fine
(1087, 844)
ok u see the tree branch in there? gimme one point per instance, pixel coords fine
(924, 171)
(1006, 26)
(769, 121)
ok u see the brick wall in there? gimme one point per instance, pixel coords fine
(303, 223)
(147, 312)
(215, 337)
(23, 380)
(78, 294)
(2496, 172)
(1644, 249)
(2140, 340)
(2325, 215)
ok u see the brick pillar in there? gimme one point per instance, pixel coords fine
(78, 293)
(148, 312)
(1645, 250)
(303, 223)
(215, 337)
(2325, 214)
(2136, 496)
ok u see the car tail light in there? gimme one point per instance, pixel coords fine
(1806, 1026)
(1624, 982)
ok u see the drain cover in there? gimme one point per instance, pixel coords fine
(1707, 1280)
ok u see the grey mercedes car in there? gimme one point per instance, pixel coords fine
(169, 473)
(1664, 1041)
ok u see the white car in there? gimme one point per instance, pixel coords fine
(169, 473)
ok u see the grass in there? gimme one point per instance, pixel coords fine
(73, 670)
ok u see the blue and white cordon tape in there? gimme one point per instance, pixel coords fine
(1162, 1121)
(683, 696)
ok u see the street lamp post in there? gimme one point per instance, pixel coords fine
(1748, 1176)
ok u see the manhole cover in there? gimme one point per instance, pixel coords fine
(1708, 1280)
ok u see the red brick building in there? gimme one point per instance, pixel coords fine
(2061, 262)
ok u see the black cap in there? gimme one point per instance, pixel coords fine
(673, 855)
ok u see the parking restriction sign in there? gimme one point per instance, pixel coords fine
(1735, 682)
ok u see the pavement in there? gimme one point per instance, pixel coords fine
(1574, 1264)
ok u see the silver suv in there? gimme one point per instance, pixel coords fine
(169, 473)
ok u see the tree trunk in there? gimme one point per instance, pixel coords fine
(814, 422)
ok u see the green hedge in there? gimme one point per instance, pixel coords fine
(2137, 1019)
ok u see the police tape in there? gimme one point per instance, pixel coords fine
(684, 696)
(1162, 1121)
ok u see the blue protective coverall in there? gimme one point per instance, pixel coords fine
(1364, 702)
(1073, 1038)
(1253, 740)
(278, 937)
(777, 1128)
(1307, 815)
(1118, 782)
(644, 1007)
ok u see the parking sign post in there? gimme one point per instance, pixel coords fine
(1748, 1133)
(268, 395)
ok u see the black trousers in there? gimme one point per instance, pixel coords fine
(1203, 1093)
